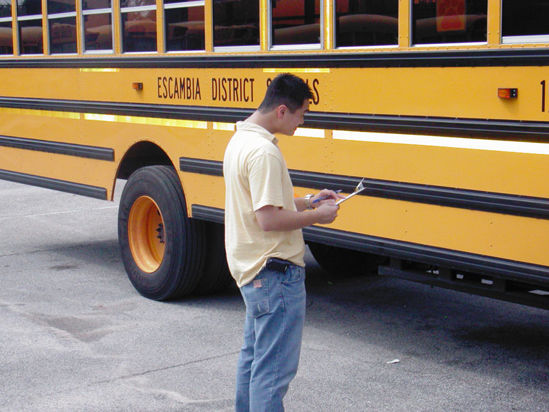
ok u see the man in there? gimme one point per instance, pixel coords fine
(265, 246)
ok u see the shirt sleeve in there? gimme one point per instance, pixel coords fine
(265, 179)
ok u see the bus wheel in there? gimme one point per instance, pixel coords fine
(162, 249)
(339, 262)
(216, 276)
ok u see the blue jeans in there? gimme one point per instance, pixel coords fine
(275, 314)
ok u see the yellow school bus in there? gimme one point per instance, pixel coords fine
(441, 105)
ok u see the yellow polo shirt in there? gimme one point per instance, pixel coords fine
(256, 175)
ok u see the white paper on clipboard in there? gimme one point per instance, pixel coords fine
(359, 188)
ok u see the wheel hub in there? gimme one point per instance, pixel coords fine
(146, 234)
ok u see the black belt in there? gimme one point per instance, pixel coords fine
(278, 265)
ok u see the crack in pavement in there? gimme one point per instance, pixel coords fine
(59, 212)
(163, 394)
(165, 368)
(138, 374)
(83, 245)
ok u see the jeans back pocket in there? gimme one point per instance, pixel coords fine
(256, 296)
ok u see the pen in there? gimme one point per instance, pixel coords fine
(325, 197)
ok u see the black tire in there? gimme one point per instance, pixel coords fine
(169, 265)
(216, 275)
(339, 262)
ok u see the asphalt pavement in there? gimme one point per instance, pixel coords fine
(76, 336)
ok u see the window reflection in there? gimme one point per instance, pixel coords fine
(97, 25)
(61, 6)
(96, 4)
(63, 35)
(6, 38)
(29, 7)
(139, 31)
(449, 21)
(98, 32)
(6, 34)
(30, 37)
(366, 23)
(136, 3)
(295, 22)
(185, 29)
(236, 22)
(5, 8)
(525, 17)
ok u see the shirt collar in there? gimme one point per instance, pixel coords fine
(253, 127)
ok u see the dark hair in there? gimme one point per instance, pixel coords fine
(286, 89)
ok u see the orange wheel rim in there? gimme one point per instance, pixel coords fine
(146, 234)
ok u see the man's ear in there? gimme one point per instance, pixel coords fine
(280, 111)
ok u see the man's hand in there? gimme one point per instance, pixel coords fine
(327, 211)
(325, 195)
(276, 218)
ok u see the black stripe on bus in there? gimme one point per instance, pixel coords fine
(204, 113)
(448, 58)
(90, 152)
(210, 214)
(201, 166)
(55, 184)
(480, 128)
(513, 270)
(436, 195)
(517, 130)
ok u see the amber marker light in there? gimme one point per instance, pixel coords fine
(507, 93)
(137, 86)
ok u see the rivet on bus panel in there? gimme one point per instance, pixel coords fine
(507, 93)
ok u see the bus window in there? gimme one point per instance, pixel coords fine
(295, 22)
(6, 38)
(5, 9)
(184, 25)
(138, 25)
(448, 21)
(236, 23)
(97, 17)
(525, 21)
(29, 19)
(29, 7)
(6, 34)
(366, 23)
(62, 26)
(30, 36)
